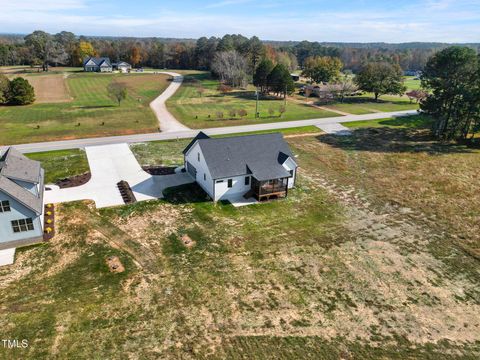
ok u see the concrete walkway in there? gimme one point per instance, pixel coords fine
(335, 129)
(7, 257)
(166, 120)
(109, 165)
(186, 134)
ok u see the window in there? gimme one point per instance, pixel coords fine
(230, 183)
(219, 181)
(22, 225)
(198, 156)
(4, 206)
(247, 180)
(204, 177)
(291, 173)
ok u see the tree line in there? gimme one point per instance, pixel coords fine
(65, 48)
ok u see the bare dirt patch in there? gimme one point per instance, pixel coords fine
(49, 88)
(114, 264)
(187, 241)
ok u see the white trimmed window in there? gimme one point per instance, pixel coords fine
(22, 225)
(4, 206)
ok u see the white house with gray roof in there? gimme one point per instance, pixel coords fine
(21, 200)
(259, 166)
(97, 64)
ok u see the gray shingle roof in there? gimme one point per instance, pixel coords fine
(98, 61)
(262, 155)
(200, 135)
(15, 166)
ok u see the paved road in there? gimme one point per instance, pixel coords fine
(167, 122)
(185, 134)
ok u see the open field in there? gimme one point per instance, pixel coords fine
(24, 69)
(91, 113)
(51, 88)
(366, 104)
(200, 110)
(403, 122)
(411, 83)
(375, 255)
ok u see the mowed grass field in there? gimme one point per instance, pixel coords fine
(198, 110)
(91, 113)
(366, 104)
(375, 255)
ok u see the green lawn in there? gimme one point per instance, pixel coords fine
(200, 110)
(61, 164)
(403, 122)
(90, 114)
(411, 83)
(366, 104)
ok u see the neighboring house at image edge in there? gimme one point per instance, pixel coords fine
(259, 166)
(21, 200)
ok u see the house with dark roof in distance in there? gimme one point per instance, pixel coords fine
(97, 64)
(253, 166)
(21, 200)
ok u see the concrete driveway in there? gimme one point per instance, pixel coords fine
(110, 164)
(166, 120)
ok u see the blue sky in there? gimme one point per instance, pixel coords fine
(320, 20)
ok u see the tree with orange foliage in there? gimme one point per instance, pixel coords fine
(83, 50)
(135, 56)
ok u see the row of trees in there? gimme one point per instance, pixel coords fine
(65, 48)
(16, 92)
(273, 78)
(452, 77)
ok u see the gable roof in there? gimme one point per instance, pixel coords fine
(15, 166)
(260, 155)
(99, 61)
(200, 135)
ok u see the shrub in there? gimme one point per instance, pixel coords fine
(282, 110)
(232, 113)
(20, 92)
(242, 112)
(271, 111)
(219, 115)
(224, 89)
(4, 89)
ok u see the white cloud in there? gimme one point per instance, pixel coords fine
(458, 24)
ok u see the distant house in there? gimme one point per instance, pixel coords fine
(259, 166)
(295, 77)
(97, 64)
(122, 66)
(21, 200)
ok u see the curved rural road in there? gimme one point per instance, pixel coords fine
(166, 120)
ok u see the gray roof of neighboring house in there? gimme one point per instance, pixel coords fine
(99, 61)
(260, 155)
(14, 166)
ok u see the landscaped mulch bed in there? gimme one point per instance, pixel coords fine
(74, 181)
(159, 170)
(49, 222)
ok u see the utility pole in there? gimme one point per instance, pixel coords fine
(256, 105)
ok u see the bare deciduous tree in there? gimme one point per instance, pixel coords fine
(231, 67)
